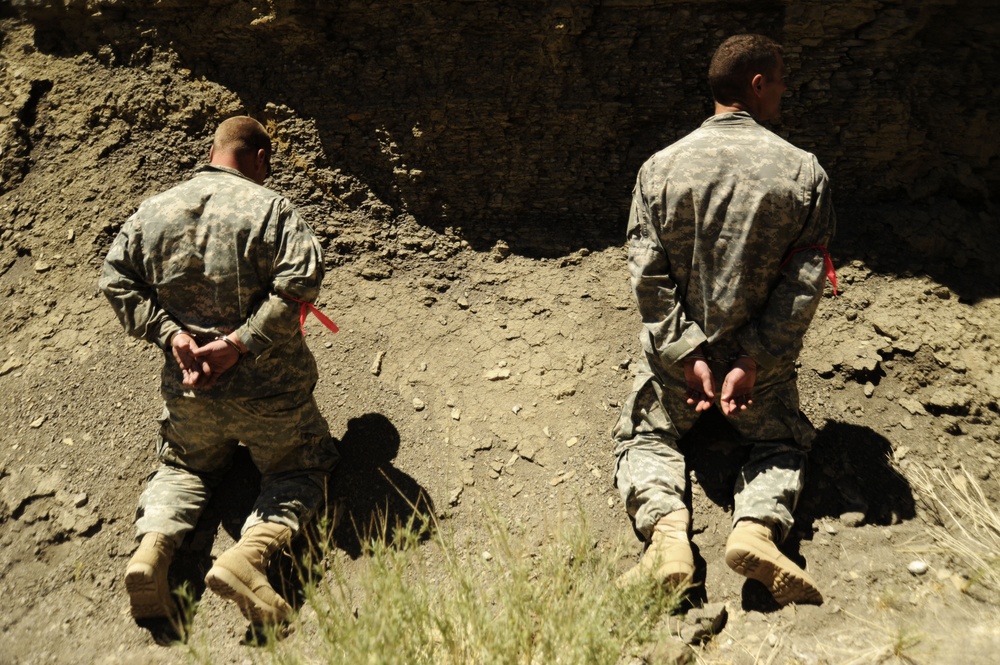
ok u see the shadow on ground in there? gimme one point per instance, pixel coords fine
(375, 497)
(849, 475)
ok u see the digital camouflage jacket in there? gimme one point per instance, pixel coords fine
(726, 239)
(213, 255)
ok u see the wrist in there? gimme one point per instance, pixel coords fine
(236, 344)
(174, 334)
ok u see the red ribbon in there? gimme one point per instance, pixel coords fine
(831, 273)
(304, 312)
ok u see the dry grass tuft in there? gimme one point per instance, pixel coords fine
(966, 523)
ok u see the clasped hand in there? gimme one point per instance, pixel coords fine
(201, 366)
(737, 387)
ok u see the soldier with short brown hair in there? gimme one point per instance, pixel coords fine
(216, 271)
(727, 253)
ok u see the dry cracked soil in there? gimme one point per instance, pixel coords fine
(487, 380)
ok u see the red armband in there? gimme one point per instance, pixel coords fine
(304, 310)
(831, 273)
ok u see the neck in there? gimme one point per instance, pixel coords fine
(730, 108)
(231, 160)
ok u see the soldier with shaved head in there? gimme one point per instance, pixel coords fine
(727, 253)
(216, 272)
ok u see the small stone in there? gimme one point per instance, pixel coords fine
(80, 500)
(418, 404)
(37, 422)
(376, 367)
(865, 364)
(516, 489)
(497, 374)
(913, 406)
(487, 556)
(572, 441)
(456, 414)
(869, 389)
(548, 434)
(852, 518)
(10, 365)
(42, 266)
(517, 409)
(67, 441)
(917, 567)
(456, 496)
(463, 302)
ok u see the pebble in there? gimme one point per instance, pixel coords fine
(497, 374)
(572, 441)
(487, 556)
(376, 367)
(869, 389)
(852, 518)
(517, 409)
(418, 404)
(917, 567)
(456, 414)
(36, 423)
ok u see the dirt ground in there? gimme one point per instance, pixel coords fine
(486, 380)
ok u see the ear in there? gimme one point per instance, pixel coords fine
(757, 84)
(211, 153)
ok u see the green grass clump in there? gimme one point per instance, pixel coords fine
(419, 600)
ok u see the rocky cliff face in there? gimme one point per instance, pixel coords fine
(527, 121)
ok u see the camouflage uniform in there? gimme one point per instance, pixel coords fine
(211, 256)
(723, 236)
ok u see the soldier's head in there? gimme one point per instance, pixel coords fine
(242, 143)
(748, 72)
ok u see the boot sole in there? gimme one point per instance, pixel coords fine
(228, 586)
(144, 597)
(784, 584)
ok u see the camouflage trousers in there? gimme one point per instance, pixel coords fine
(650, 471)
(289, 442)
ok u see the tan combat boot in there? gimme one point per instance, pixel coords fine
(750, 551)
(668, 559)
(240, 574)
(146, 578)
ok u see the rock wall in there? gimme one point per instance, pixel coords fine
(526, 121)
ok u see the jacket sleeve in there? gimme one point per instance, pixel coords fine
(775, 336)
(667, 333)
(297, 272)
(126, 288)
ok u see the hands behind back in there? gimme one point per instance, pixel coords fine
(201, 366)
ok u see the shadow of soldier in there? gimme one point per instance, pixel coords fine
(376, 498)
(849, 476)
(852, 478)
